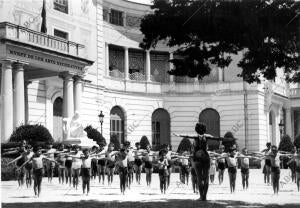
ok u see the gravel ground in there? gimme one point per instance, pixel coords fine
(178, 195)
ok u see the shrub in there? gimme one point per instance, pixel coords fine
(286, 144)
(185, 145)
(229, 141)
(144, 142)
(95, 135)
(114, 139)
(297, 141)
(33, 134)
(8, 172)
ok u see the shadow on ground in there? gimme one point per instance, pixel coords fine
(147, 204)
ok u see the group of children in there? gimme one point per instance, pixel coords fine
(72, 162)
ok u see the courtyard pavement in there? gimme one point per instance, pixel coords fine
(177, 196)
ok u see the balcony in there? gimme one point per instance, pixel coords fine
(295, 92)
(9, 31)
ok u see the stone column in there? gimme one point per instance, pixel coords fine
(148, 66)
(7, 101)
(106, 59)
(19, 95)
(68, 100)
(77, 93)
(26, 102)
(288, 120)
(126, 63)
(171, 67)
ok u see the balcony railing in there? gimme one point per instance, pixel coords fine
(22, 34)
(117, 74)
(295, 92)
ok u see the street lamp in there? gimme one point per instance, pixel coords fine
(101, 116)
(281, 127)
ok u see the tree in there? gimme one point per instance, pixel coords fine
(114, 139)
(297, 141)
(184, 145)
(95, 135)
(144, 142)
(208, 33)
(286, 144)
(33, 134)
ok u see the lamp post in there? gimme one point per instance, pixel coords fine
(281, 127)
(101, 116)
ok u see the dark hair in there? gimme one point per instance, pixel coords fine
(85, 150)
(127, 144)
(200, 128)
(137, 143)
(268, 144)
(162, 152)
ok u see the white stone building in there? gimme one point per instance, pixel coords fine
(90, 61)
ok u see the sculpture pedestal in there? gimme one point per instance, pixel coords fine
(83, 142)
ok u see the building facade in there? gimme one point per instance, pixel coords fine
(90, 61)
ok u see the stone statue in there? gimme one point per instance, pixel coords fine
(73, 128)
(74, 132)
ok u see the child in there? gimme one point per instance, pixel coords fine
(267, 166)
(194, 179)
(296, 160)
(76, 166)
(212, 170)
(28, 167)
(101, 164)
(245, 169)
(68, 167)
(221, 164)
(49, 164)
(123, 168)
(110, 157)
(163, 170)
(274, 157)
(61, 160)
(138, 163)
(169, 155)
(38, 169)
(130, 164)
(19, 161)
(185, 173)
(94, 168)
(148, 159)
(86, 171)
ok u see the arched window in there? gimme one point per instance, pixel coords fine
(57, 119)
(160, 128)
(117, 123)
(211, 118)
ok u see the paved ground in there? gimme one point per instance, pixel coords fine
(62, 196)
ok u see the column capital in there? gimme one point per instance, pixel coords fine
(78, 78)
(6, 63)
(66, 75)
(18, 66)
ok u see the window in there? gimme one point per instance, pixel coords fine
(116, 17)
(61, 5)
(61, 34)
(160, 128)
(117, 123)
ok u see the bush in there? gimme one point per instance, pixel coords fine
(286, 144)
(297, 141)
(8, 172)
(95, 135)
(114, 139)
(185, 145)
(229, 141)
(33, 134)
(144, 142)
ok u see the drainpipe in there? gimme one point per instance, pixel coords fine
(245, 113)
